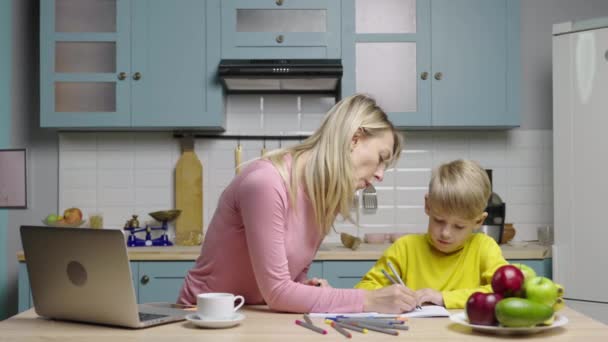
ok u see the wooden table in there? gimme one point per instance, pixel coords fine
(261, 324)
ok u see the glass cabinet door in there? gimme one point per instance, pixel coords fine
(84, 63)
(391, 57)
(281, 29)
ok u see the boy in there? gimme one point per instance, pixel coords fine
(448, 263)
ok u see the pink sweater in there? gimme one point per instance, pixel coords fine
(257, 246)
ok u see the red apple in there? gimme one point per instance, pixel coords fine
(480, 308)
(508, 280)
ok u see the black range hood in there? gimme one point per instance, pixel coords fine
(283, 76)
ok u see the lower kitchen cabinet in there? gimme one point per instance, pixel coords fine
(345, 274)
(160, 281)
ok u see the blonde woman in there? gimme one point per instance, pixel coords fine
(273, 216)
(448, 263)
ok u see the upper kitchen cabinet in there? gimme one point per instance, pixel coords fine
(130, 64)
(280, 29)
(435, 63)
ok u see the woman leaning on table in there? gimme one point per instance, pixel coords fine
(273, 216)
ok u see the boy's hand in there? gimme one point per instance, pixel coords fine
(429, 296)
(391, 299)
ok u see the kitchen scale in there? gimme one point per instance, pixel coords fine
(164, 217)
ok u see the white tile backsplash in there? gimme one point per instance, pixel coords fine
(125, 173)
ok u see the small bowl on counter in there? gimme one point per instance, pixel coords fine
(375, 238)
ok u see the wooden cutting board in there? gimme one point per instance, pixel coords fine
(189, 196)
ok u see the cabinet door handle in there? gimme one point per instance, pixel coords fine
(137, 76)
(438, 76)
(424, 75)
(122, 76)
(279, 2)
(280, 39)
(145, 279)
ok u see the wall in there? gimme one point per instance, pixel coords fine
(120, 174)
(5, 119)
(537, 19)
(41, 144)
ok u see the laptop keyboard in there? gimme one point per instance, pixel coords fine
(143, 317)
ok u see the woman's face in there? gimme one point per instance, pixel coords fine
(370, 156)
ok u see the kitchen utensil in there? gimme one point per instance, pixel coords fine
(370, 199)
(493, 230)
(237, 158)
(545, 235)
(165, 215)
(189, 196)
(263, 151)
(508, 233)
(350, 241)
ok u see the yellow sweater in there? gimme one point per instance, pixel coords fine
(456, 275)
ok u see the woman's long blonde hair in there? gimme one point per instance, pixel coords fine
(328, 173)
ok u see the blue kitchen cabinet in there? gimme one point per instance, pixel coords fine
(316, 270)
(138, 64)
(435, 63)
(542, 267)
(345, 274)
(160, 281)
(280, 29)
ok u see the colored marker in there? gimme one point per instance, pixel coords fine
(352, 327)
(378, 329)
(307, 319)
(311, 327)
(341, 330)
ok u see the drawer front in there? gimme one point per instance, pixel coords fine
(345, 274)
(160, 281)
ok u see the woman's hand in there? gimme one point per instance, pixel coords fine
(317, 282)
(391, 299)
(429, 296)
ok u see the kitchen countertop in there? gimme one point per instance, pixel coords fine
(261, 324)
(328, 251)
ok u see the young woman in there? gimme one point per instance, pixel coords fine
(273, 216)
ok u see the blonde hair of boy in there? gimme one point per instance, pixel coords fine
(328, 173)
(460, 188)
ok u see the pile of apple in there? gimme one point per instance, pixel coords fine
(520, 299)
(70, 216)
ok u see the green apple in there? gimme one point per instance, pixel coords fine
(52, 218)
(528, 271)
(541, 290)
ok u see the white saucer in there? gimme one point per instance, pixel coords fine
(215, 323)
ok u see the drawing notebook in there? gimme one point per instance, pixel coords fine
(426, 311)
(82, 274)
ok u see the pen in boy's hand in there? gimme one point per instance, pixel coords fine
(390, 265)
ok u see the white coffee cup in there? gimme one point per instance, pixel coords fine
(217, 306)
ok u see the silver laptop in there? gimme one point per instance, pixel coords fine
(84, 275)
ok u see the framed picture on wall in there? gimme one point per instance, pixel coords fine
(13, 188)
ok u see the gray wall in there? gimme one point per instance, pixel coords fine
(41, 144)
(537, 17)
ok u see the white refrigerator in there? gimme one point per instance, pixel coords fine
(580, 164)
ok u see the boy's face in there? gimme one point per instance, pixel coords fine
(448, 232)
